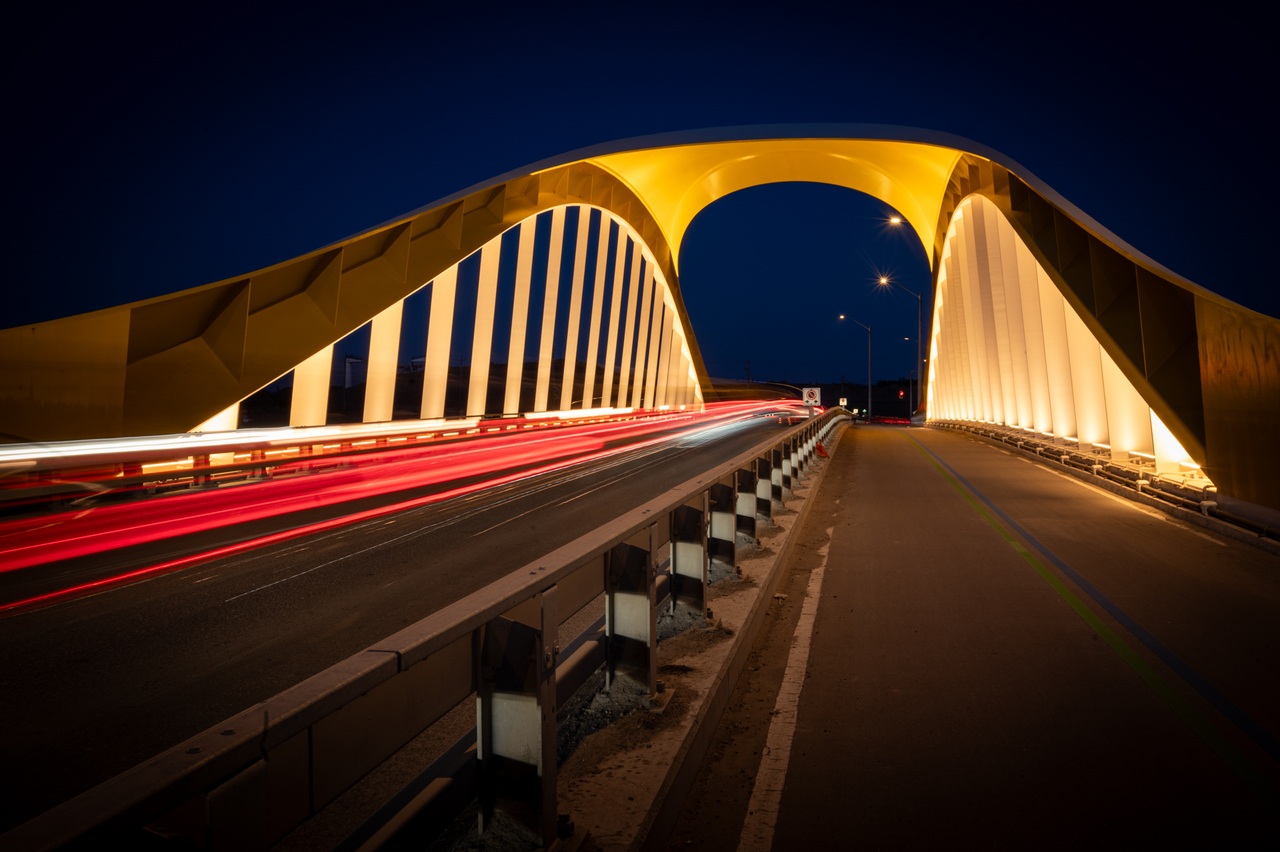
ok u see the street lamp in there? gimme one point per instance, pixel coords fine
(885, 282)
(868, 328)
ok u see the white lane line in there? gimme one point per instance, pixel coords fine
(766, 795)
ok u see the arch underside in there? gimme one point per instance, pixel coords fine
(1208, 370)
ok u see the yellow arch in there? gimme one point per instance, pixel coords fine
(677, 182)
(1204, 364)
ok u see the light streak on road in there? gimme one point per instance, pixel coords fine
(310, 483)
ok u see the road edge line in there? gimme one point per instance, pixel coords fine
(665, 811)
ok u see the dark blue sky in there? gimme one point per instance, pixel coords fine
(149, 154)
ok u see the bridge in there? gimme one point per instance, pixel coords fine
(527, 337)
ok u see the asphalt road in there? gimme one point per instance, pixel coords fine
(94, 686)
(963, 689)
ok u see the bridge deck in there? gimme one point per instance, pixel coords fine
(958, 688)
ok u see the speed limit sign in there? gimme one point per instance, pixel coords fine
(813, 396)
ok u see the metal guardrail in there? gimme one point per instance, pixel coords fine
(1148, 482)
(245, 783)
(57, 473)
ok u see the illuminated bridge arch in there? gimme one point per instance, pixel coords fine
(586, 321)
(1204, 368)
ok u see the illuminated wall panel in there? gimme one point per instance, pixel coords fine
(1007, 347)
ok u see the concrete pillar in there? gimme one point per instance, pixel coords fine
(310, 405)
(597, 308)
(435, 368)
(550, 298)
(615, 321)
(643, 337)
(519, 317)
(384, 355)
(482, 342)
(627, 366)
(575, 308)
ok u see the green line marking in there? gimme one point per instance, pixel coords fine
(1261, 786)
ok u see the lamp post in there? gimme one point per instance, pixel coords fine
(868, 328)
(885, 282)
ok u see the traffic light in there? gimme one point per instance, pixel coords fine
(902, 394)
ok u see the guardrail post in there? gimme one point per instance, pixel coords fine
(795, 463)
(776, 462)
(689, 554)
(631, 615)
(746, 507)
(787, 463)
(722, 538)
(516, 721)
(258, 457)
(199, 463)
(764, 487)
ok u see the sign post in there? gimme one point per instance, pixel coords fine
(812, 397)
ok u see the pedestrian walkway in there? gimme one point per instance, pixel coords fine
(981, 651)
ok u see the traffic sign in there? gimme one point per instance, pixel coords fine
(813, 396)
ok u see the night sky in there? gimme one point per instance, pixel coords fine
(149, 154)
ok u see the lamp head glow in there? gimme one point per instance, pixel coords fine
(884, 280)
(842, 316)
(896, 220)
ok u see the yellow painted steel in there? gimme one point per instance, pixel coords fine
(677, 182)
(1206, 366)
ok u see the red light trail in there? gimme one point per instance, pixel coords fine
(35, 541)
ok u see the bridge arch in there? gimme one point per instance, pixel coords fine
(1209, 369)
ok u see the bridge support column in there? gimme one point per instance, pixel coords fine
(550, 297)
(384, 350)
(722, 538)
(689, 554)
(764, 487)
(631, 617)
(310, 400)
(516, 720)
(745, 482)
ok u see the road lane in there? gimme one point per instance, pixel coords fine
(95, 685)
(953, 696)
